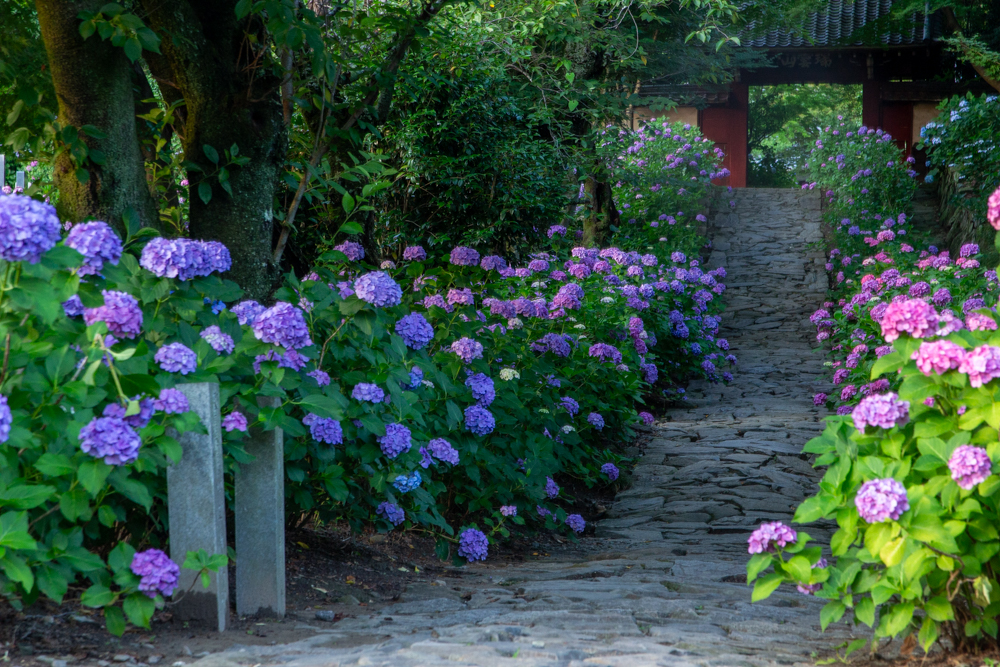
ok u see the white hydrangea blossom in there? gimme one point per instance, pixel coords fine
(508, 374)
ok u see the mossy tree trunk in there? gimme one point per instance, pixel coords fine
(93, 84)
(601, 214)
(232, 98)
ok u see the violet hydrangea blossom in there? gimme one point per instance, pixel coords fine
(576, 522)
(482, 389)
(322, 377)
(379, 289)
(467, 349)
(176, 358)
(882, 411)
(172, 401)
(879, 500)
(473, 545)
(611, 470)
(415, 331)
(282, 324)
(463, 256)
(28, 229)
(969, 466)
(158, 574)
(442, 450)
(771, 535)
(324, 429)
(551, 488)
(596, 420)
(220, 342)
(366, 391)
(391, 512)
(479, 420)
(234, 421)
(98, 244)
(247, 311)
(395, 441)
(414, 253)
(120, 312)
(111, 439)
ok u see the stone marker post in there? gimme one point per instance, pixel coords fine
(260, 522)
(197, 506)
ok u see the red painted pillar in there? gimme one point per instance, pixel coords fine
(871, 104)
(738, 133)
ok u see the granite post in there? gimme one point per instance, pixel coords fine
(197, 507)
(260, 522)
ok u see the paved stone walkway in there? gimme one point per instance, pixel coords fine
(662, 583)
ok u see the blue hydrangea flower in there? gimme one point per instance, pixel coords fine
(282, 324)
(247, 311)
(551, 488)
(111, 439)
(98, 244)
(473, 545)
(479, 420)
(392, 513)
(322, 377)
(415, 331)
(365, 391)
(611, 470)
(73, 307)
(6, 419)
(324, 429)
(595, 420)
(571, 406)
(407, 483)
(395, 441)
(442, 450)
(482, 389)
(576, 522)
(416, 377)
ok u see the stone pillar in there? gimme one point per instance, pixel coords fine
(197, 506)
(260, 522)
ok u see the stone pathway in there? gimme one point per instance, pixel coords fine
(663, 582)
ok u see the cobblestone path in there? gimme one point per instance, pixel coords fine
(663, 582)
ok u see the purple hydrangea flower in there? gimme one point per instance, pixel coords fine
(395, 441)
(442, 450)
(463, 256)
(771, 535)
(247, 311)
(969, 466)
(473, 545)
(881, 499)
(392, 513)
(322, 377)
(158, 573)
(379, 289)
(282, 324)
(111, 439)
(493, 263)
(28, 228)
(571, 405)
(881, 411)
(819, 399)
(414, 253)
(605, 352)
(98, 244)
(234, 421)
(324, 429)
(596, 420)
(73, 307)
(120, 312)
(365, 391)
(982, 364)
(138, 421)
(220, 342)
(479, 420)
(184, 258)
(461, 297)
(354, 251)
(647, 418)
(551, 488)
(172, 401)
(556, 229)
(482, 389)
(467, 349)
(176, 358)
(611, 470)
(509, 510)
(576, 522)
(415, 331)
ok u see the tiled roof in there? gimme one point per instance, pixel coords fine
(843, 24)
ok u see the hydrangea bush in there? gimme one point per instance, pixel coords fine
(910, 455)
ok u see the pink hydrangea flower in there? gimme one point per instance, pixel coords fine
(881, 499)
(993, 210)
(969, 466)
(981, 365)
(913, 316)
(980, 322)
(939, 356)
(770, 535)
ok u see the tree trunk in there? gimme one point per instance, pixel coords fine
(602, 212)
(93, 84)
(231, 99)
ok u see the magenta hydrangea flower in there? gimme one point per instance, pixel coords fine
(391, 512)
(247, 311)
(366, 391)
(415, 331)
(98, 244)
(322, 377)
(396, 440)
(980, 322)
(576, 522)
(220, 342)
(969, 466)
(379, 289)
(993, 210)
(120, 312)
(414, 253)
(111, 439)
(172, 401)
(158, 574)
(473, 545)
(881, 411)
(819, 399)
(771, 535)
(913, 316)
(939, 356)
(596, 420)
(467, 349)
(28, 228)
(282, 324)
(442, 450)
(354, 251)
(463, 256)
(881, 499)
(479, 420)
(176, 358)
(234, 421)
(981, 364)
(324, 429)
